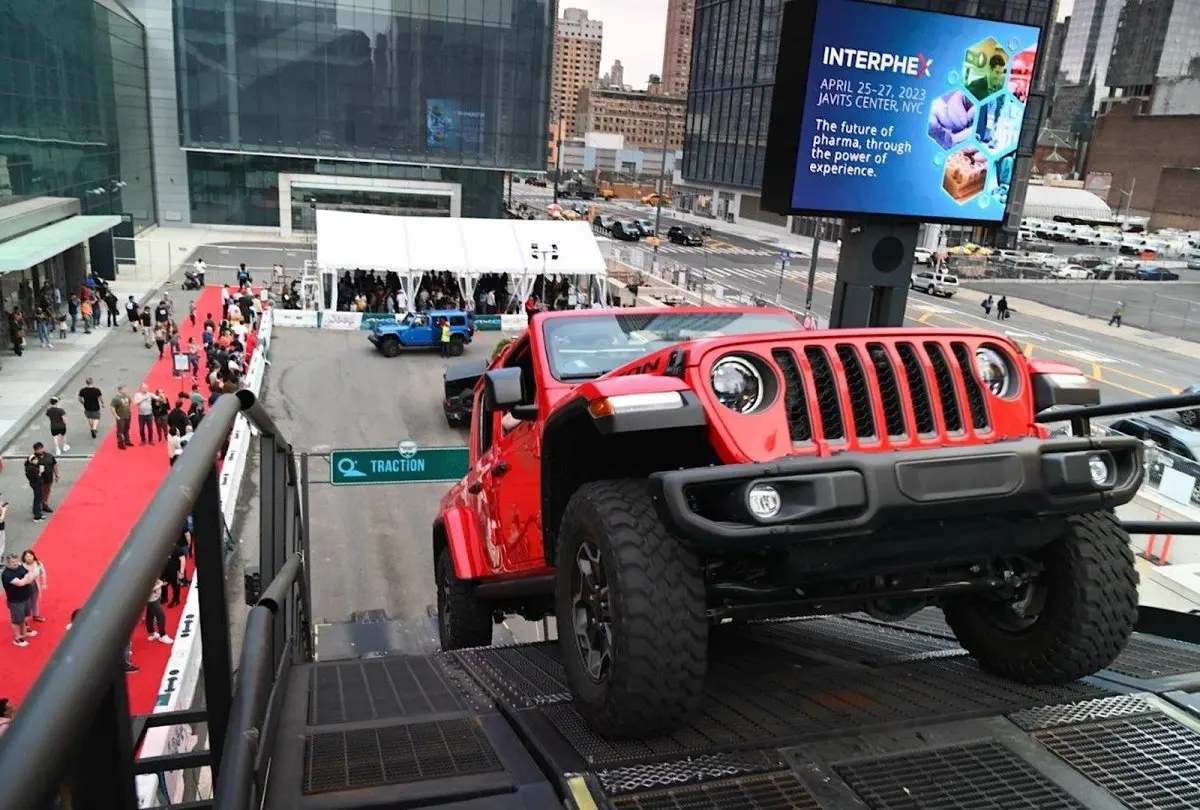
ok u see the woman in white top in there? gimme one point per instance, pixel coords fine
(34, 566)
(174, 446)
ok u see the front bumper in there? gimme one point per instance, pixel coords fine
(374, 338)
(857, 494)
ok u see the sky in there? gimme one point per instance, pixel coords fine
(634, 32)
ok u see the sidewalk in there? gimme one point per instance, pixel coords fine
(27, 382)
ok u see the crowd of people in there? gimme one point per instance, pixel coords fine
(54, 315)
(207, 368)
(367, 291)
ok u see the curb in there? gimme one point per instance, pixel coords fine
(27, 418)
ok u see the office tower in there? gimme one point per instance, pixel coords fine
(617, 75)
(677, 50)
(577, 44)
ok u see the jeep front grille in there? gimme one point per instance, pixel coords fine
(846, 391)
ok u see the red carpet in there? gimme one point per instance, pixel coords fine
(88, 526)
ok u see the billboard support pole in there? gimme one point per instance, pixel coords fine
(875, 267)
(812, 266)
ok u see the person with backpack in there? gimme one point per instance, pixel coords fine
(987, 306)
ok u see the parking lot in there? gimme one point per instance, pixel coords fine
(1167, 307)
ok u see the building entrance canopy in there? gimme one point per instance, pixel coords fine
(45, 243)
(467, 248)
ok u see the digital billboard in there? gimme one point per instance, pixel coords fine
(880, 110)
(449, 126)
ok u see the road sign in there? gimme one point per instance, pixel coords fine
(785, 256)
(404, 464)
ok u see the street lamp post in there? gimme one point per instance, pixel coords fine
(662, 176)
(545, 254)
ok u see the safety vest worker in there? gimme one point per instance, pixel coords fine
(445, 338)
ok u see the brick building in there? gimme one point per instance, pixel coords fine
(677, 50)
(577, 44)
(641, 117)
(1177, 204)
(1135, 148)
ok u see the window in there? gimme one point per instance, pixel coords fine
(522, 357)
(484, 424)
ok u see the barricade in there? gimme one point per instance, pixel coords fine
(183, 670)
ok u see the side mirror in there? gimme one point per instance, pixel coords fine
(502, 388)
(525, 413)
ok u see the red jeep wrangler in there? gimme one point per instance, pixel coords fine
(645, 473)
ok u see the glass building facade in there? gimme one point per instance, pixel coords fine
(735, 46)
(73, 106)
(442, 90)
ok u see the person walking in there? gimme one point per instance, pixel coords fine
(34, 566)
(1118, 312)
(161, 406)
(18, 588)
(16, 331)
(111, 303)
(121, 407)
(144, 401)
(173, 575)
(174, 446)
(58, 426)
(156, 617)
(41, 320)
(133, 311)
(73, 311)
(987, 304)
(86, 314)
(1002, 308)
(92, 400)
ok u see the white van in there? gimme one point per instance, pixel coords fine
(934, 283)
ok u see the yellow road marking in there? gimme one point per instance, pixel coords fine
(1099, 372)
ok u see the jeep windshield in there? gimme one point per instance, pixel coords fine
(585, 347)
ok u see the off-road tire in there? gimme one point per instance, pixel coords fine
(1089, 615)
(469, 623)
(457, 346)
(657, 608)
(390, 347)
(1190, 417)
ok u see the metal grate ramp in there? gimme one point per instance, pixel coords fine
(1149, 761)
(392, 755)
(387, 688)
(985, 774)
(776, 791)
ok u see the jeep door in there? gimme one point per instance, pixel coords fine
(479, 492)
(419, 333)
(517, 473)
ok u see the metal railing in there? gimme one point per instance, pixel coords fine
(74, 738)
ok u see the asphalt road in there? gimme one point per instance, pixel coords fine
(370, 544)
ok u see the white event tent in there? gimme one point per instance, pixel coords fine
(468, 248)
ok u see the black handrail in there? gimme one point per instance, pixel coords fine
(1173, 402)
(47, 727)
(1185, 527)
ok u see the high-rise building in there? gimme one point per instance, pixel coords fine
(617, 75)
(1154, 39)
(729, 100)
(577, 44)
(285, 106)
(75, 155)
(1084, 64)
(677, 50)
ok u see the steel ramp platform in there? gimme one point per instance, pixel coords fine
(816, 714)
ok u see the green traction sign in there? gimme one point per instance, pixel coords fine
(404, 464)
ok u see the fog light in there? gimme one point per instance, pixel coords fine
(764, 501)
(1098, 469)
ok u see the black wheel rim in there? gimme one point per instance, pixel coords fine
(590, 614)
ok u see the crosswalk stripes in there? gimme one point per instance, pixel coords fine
(671, 248)
(758, 274)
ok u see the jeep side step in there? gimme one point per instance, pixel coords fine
(516, 588)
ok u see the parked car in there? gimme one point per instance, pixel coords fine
(1154, 273)
(646, 226)
(1181, 443)
(419, 330)
(603, 223)
(934, 283)
(1190, 417)
(1072, 271)
(685, 236)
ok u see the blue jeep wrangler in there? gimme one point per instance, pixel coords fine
(420, 330)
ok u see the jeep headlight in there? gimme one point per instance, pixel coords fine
(995, 370)
(739, 386)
